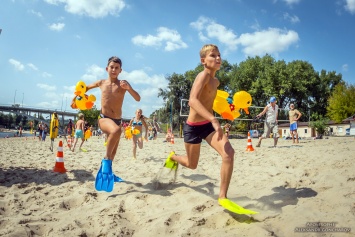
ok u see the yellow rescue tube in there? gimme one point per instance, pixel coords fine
(54, 127)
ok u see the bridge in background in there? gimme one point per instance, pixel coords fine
(33, 113)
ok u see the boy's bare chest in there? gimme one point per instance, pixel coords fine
(111, 89)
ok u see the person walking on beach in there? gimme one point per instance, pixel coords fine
(79, 131)
(44, 132)
(294, 115)
(112, 95)
(40, 130)
(270, 124)
(202, 124)
(138, 122)
(70, 128)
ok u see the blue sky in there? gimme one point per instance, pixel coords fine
(47, 46)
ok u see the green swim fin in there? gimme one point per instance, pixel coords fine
(233, 207)
(105, 178)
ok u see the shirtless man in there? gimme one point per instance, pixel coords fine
(112, 95)
(294, 116)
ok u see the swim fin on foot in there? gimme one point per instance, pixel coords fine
(105, 178)
(117, 179)
(233, 207)
(170, 163)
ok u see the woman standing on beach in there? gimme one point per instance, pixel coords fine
(138, 122)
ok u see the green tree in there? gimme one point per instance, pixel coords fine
(2, 119)
(91, 115)
(18, 119)
(342, 102)
(320, 125)
(294, 82)
(10, 120)
(24, 121)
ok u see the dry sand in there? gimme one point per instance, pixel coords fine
(290, 186)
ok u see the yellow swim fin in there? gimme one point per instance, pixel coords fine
(233, 207)
(170, 163)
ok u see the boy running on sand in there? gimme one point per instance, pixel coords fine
(112, 95)
(201, 124)
(79, 131)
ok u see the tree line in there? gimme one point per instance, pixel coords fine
(317, 95)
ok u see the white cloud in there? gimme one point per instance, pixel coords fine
(269, 41)
(57, 27)
(345, 67)
(38, 14)
(92, 8)
(148, 88)
(46, 87)
(293, 19)
(94, 73)
(200, 24)
(141, 77)
(138, 55)
(223, 35)
(32, 66)
(18, 65)
(46, 74)
(290, 2)
(207, 28)
(165, 36)
(350, 6)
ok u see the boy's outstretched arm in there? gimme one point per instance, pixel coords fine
(93, 85)
(125, 85)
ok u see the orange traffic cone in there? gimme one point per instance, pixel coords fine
(172, 139)
(69, 141)
(59, 164)
(249, 146)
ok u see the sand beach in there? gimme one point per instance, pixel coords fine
(306, 189)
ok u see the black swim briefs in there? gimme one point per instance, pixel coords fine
(117, 121)
(195, 133)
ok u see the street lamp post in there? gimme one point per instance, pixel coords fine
(15, 97)
(23, 96)
(171, 112)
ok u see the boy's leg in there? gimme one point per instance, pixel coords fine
(76, 140)
(225, 149)
(113, 132)
(192, 156)
(82, 142)
(115, 149)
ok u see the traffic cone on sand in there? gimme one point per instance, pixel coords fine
(172, 139)
(59, 164)
(249, 146)
(69, 141)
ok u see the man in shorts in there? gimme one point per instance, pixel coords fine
(294, 115)
(270, 124)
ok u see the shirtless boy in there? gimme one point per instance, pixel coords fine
(112, 95)
(79, 131)
(201, 123)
